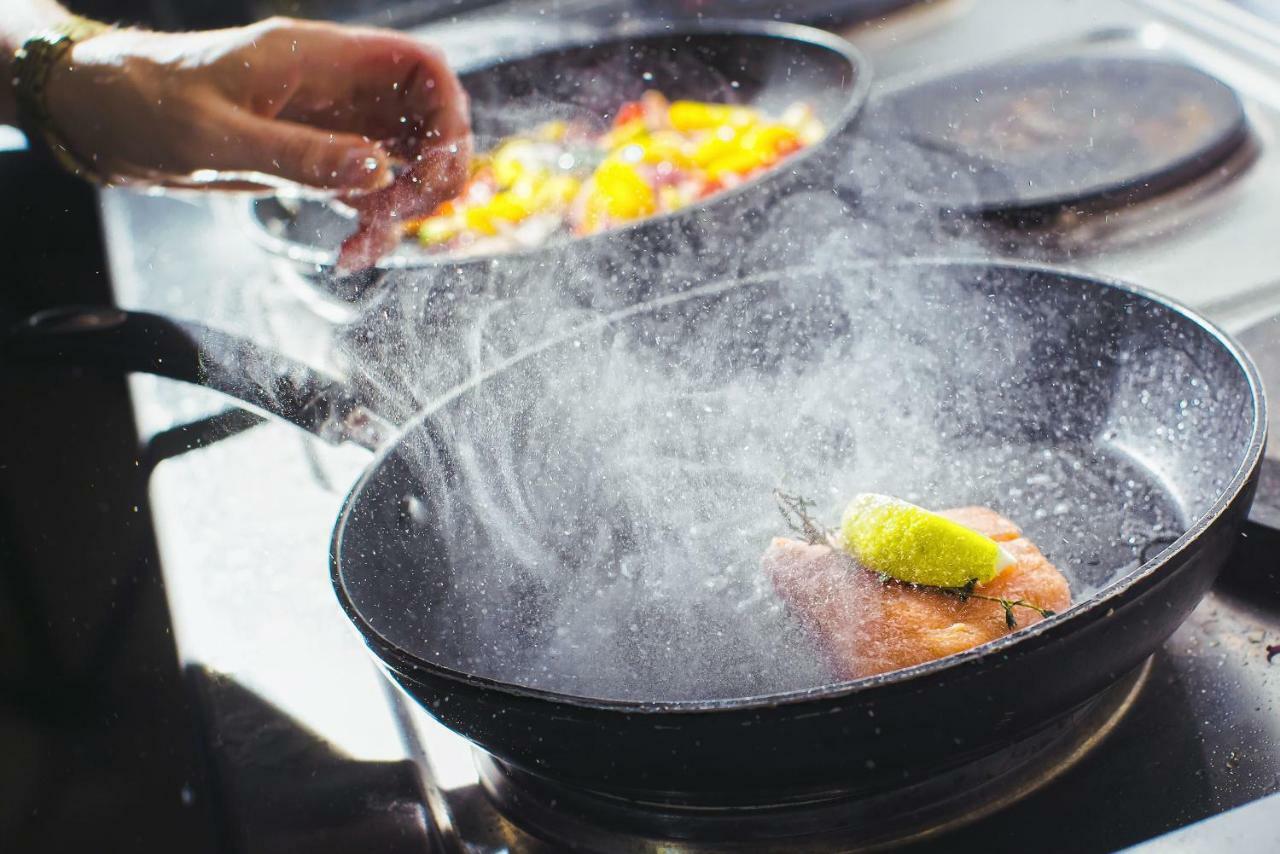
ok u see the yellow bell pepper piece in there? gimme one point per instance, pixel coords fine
(480, 220)
(624, 133)
(768, 140)
(721, 142)
(665, 147)
(740, 162)
(510, 162)
(509, 207)
(697, 115)
(556, 192)
(503, 208)
(618, 192)
(553, 131)
(625, 193)
(528, 186)
(438, 229)
(670, 199)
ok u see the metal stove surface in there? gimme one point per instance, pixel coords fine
(310, 749)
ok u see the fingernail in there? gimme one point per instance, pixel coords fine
(367, 169)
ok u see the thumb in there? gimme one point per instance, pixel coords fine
(307, 155)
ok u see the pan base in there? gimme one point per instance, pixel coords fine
(557, 813)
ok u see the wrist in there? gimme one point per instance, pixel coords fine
(30, 70)
(18, 22)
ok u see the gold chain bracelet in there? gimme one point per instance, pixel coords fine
(31, 66)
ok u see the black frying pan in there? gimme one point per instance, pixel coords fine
(767, 64)
(559, 559)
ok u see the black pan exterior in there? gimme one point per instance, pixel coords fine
(883, 732)
(769, 64)
(863, 739)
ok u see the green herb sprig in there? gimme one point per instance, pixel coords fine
(966, 593)
(795, 512)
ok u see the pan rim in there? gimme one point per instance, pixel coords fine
(324, 259)
(404, 662)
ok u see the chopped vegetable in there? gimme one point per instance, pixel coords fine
(628, 112)
(695, 115)
(656, 156)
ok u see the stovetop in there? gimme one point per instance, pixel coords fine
(311, 749)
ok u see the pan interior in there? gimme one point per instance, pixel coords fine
(591, 519)
(589, 82)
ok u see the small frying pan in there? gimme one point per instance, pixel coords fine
(769, 65)
(559, 559)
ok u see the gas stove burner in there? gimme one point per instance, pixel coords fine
(1087, 132)
(582, 820)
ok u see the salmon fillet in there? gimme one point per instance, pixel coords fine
(866, 625)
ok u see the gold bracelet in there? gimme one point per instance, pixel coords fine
(31, 66)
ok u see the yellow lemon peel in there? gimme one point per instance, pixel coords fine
(906, 542)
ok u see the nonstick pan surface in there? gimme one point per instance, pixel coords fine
(561, 558)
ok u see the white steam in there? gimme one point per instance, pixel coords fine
(609, 500)
(602, 506)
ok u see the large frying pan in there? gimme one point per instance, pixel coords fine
(559, 558)
(770, 65)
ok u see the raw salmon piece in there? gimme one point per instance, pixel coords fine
(866, 625)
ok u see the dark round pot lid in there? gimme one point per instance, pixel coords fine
(815, 13)
(1081, 131)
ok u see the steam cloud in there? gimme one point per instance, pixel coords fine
(609, 500)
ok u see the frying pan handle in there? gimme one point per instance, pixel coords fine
(136, 342)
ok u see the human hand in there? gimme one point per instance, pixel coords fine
(312, 103)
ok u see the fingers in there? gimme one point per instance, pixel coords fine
(305, 155)
(374, 239)
(433, 95)
(354, 83)
(437, 173)
(381, 84)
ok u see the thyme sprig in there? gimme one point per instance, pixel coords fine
(966, 593)
(795, 510)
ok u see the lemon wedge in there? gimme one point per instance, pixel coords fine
(897, 538)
